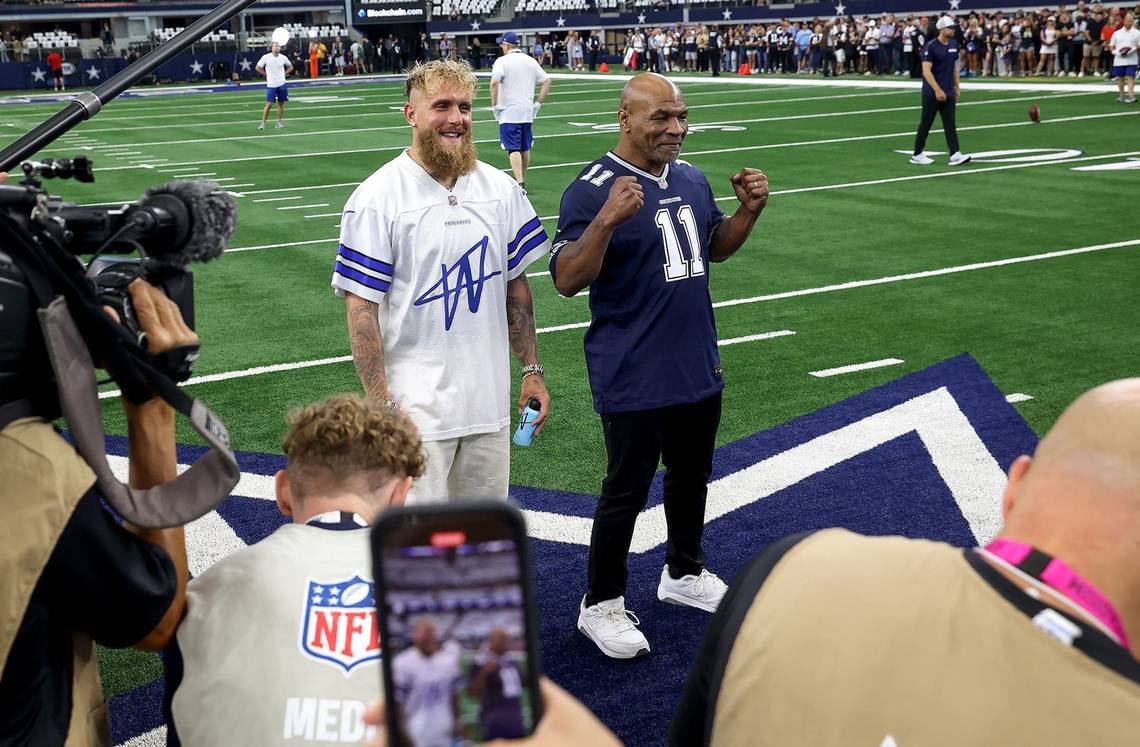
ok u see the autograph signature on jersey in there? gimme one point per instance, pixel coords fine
(458, 278)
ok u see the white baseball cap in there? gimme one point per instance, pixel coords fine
(945, 22)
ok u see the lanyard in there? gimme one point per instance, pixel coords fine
(1057, 575)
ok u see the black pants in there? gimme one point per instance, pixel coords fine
(681, 437)
(930, 107)
(714, 60)
(593, 59)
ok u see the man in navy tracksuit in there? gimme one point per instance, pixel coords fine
(940, 92)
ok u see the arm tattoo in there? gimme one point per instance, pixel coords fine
(520, 321)
(367, 347)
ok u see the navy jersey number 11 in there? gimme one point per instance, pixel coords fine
(652, 338)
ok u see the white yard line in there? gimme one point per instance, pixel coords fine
(253, 111)
(323, 215)
(926, 274)
(722, 304)
(280, 367)
(827, 141)
(303, 207)
(856, 367)
(278, 199)
(611, 113)
(754, 338)
(280, 246)
(857, 82)
(846, 139)
(1016, 397)
(939, 174)
(545, 117)
(774, 193)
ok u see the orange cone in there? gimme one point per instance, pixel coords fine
(603, 68)
(744, 70)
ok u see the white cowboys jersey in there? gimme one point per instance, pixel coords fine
(437, 263)
(424, 686)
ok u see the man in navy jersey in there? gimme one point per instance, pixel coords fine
(496, 680)
(940, 92)
(639, 228)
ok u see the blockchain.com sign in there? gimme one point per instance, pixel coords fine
(364, 12)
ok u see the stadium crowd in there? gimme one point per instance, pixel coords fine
(1052, 42)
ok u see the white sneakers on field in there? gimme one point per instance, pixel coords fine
(613, 628)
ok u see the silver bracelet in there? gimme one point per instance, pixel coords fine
(534, 369)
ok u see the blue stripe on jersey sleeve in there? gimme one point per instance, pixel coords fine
(537, 240)
(365, 260)
(359, 277)
(529, 226)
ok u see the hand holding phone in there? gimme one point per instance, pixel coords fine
(456, 609)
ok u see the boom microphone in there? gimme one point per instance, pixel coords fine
(174, 224)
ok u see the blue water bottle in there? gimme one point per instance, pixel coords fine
(525, 432)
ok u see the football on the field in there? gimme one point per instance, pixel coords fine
(1034, 113)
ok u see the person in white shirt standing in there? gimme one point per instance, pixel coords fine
(513, 78)
(1123, 45)
(426, 679)
(274, 66)
(433, 252)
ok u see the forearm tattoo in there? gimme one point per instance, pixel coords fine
(367, 348)
(520, 321)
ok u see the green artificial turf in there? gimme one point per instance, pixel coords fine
(1050, 328)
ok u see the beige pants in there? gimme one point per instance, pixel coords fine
(472, 467)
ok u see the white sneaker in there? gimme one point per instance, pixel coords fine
(921, 159)
(703, 592)
(279, 126)
(958, 159)
(261, 126)
(612, 628)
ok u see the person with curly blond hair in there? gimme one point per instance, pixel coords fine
(434, 247)
(280, 640)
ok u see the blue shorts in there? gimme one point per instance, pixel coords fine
(516, 136)
(1124, 71)
(280, 94)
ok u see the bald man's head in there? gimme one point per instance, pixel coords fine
(645, 88)
(1083, 483)
(653, 119)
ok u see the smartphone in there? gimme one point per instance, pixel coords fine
(457, 624)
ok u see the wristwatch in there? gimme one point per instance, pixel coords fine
(533, 370)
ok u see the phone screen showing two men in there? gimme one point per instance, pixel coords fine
(457, 638)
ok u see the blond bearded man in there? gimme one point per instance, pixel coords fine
(431, 264)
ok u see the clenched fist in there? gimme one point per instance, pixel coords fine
(625, 199)
(751, 188)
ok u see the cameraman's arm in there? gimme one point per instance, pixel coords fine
(150, 444)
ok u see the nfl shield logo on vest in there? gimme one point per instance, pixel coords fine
(339, 625)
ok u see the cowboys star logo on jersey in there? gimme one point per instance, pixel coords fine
(339, 623)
